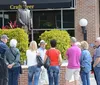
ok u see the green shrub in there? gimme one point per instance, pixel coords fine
(21, 37)
(62, 37)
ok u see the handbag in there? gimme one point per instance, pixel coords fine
(39, 61)
(47, 63)
(21, 71)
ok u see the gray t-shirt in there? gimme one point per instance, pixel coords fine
(97, 55)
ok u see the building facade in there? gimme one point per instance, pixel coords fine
(60, 14)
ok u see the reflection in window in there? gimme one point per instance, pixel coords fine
(47, 19)
(1, 16)
(58, 20)
(71, 32)
(68, 19)
(9, 17)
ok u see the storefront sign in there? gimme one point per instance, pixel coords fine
(14, 7)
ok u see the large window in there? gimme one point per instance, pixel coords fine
(52, 19)
(71, 32)
(47, 19)
(1, 15)
(68, 19)
(9, 17)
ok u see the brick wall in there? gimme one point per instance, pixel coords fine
(62, 75)
(88, 9)
(23, 80)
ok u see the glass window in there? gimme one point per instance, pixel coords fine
(37, 34)
(9, 17)
(68, 18)
(71, 32)
(47, 19)
(1, 16)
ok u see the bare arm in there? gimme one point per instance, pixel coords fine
(45, 57)
(66, 57)
(60, 59)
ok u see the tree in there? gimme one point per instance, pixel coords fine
(62, 37)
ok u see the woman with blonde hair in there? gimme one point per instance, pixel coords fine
(33, 69)
(85, 62)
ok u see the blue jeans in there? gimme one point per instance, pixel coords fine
(13, 76)
(97, 74)
(53, 74)
(33, 72)
(85, 78)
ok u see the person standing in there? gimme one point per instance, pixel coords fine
(73, 69)
(96, 64)
(33, 69)
(13, 62)
(55, 62)
(42, 51)
(85, 62)
(3, 66)
(24, 18)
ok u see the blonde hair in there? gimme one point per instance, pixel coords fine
(33, 46)
(84, 45)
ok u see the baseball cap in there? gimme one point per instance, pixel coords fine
(42, 42)
(4, 37)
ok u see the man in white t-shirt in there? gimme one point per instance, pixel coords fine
(43, 77)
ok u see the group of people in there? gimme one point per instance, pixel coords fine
(9, 62)
(78, 56)
(80, 62)
(10, 59)
(50, 73)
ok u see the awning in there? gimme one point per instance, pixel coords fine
(35, 4)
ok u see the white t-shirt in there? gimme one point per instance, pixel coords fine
(31, 58)
(42, 52)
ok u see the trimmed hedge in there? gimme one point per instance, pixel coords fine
(20, 36)
(62, 37)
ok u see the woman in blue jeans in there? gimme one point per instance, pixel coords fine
(55, 62)
(33, 69)
(85, 62)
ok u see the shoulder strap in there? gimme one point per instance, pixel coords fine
(12, 53)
